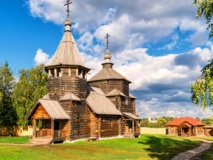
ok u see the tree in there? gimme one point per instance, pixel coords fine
(202, 88)
(31, 86)
(208, 121)
(205, 8)
(8, 116)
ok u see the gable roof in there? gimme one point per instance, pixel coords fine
(69, 96)
(106, 74)
(53, 108)
(192, 121)
(115, 92)
(99, 104)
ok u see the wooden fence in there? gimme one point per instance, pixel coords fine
(147, 130)
(16, 131)
(28, 131)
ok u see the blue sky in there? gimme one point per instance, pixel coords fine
(159, 46)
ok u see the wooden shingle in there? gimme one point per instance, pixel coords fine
(99, 104)
(53, 108)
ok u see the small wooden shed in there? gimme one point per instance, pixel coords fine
(185, 126)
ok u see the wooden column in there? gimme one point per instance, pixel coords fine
(119, 126)
(133, 128)
(69, 72)
(34, 128)
(55, 72)
(99, 126)
(52, 128)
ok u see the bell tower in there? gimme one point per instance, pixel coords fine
(66, 71)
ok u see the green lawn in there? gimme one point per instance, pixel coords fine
(208, 154)
(16, 140)
(147, 147)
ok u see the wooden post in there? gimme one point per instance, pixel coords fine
(55, 72)
(69, 72)
(99, 126)
(52, 128)
(34, 128)
(49, 73)
(119, 126)
(133, 128)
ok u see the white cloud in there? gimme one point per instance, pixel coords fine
(130, 24)
(48, 10)
(163, 84)
(41, 57)
(160, 82)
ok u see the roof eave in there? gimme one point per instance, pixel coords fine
(66, 66)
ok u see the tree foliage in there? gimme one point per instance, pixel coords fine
(205, 8)
(208, 121)
(202, 88)
(161, 122)
(31, 86)
(8, 116)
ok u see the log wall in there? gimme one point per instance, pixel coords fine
(67, 82)
(108, 85)
(40, 113)
(109, 126)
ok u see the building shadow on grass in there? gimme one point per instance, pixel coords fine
(166, 148)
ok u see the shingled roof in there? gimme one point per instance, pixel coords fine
(131, 116)
(70, 96)
(53, 108)
(115, 92)
(99, 104)
(67, 52)
(107, 73)
(192, 121)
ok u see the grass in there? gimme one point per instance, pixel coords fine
(16, 140)
(147, 147)
(208, 154)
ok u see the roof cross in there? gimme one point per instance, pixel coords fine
(68, 7)
(107, 42)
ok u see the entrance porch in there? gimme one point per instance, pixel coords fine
(132, 127)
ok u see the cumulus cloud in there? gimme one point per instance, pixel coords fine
(131, 24)
(160, 83)
(41, 57)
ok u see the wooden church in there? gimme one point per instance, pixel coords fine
(77, 108)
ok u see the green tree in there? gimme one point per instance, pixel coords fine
(8, 116)
(202, 88)
(31, 86)
(205, 8)
(208, 121)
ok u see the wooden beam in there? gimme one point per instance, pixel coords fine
(52, 128)
(133, 128)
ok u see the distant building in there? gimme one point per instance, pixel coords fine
(185, 126)
(76, 108)
(151, 120)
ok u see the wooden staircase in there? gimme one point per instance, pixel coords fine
(128, 135)
(41, 140)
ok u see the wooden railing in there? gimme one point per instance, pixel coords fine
(57, 134)
(41, 133)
